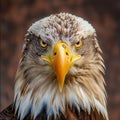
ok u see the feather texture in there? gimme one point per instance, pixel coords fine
(70, 114)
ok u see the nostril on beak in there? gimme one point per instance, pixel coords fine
(55, 53)
(67, 53)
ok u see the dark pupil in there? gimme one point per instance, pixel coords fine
(44, 43)
(78, 43)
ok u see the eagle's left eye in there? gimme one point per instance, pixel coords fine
(78, 44)
(43, 44)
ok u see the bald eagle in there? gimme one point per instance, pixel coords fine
(60, 74)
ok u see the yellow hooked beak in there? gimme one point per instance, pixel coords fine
(61, 60)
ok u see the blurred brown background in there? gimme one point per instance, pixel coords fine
(17, 15)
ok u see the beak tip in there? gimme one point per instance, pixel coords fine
(60, 88)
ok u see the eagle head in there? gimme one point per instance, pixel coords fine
(61, 68)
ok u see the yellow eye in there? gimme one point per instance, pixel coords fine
(43, 44)
(78, 44)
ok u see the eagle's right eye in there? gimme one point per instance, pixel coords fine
(43, 44)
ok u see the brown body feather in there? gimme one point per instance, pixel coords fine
(70, 114)
(8, 114)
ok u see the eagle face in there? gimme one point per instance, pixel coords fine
(61, 66)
